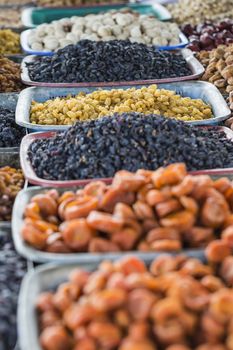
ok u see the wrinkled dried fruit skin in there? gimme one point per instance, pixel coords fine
(10, 80)
(126, 305)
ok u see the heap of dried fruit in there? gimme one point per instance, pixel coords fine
(198, 11)
(116, 60)
(218, 65)
(10, 133)
(208, 35)
(10, 80)
(122, 24)
(10, 17)
(99, 103)
(129, 141)
(177, 303)
(162, 210)
(12, 270)
(11, 182)
(9, 42)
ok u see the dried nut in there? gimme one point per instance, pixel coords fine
(220, 83)
(227, 72)
(215, 77)
(230, 81)
(220, 65)
(229, 59)
(229, 88)
(99, 27)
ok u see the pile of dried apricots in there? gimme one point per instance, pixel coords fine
(177, 303)
(163, 210)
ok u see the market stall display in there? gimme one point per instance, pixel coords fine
(172, 303)
(10, 75)
(111, 25)
(131, 167)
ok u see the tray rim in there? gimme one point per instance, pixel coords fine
(192, 62)
(22, 115)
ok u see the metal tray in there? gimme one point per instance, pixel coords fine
(26, 48)
(194, 89)
(32, 178)
(32, 17)
(41, 279)
(36, 255)
(195, 66)
(7, 154)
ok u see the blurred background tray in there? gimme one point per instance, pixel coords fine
(31, 17)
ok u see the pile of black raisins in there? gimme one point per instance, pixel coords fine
(12, 270)
(10, 133)
(90, 61)
(130, 141)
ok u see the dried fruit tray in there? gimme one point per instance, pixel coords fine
(26, 48)
(32, 17)
(194, 89)
(35, 255)
(43, 278)
(8, 100)
(195, 66)
(32, 178)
